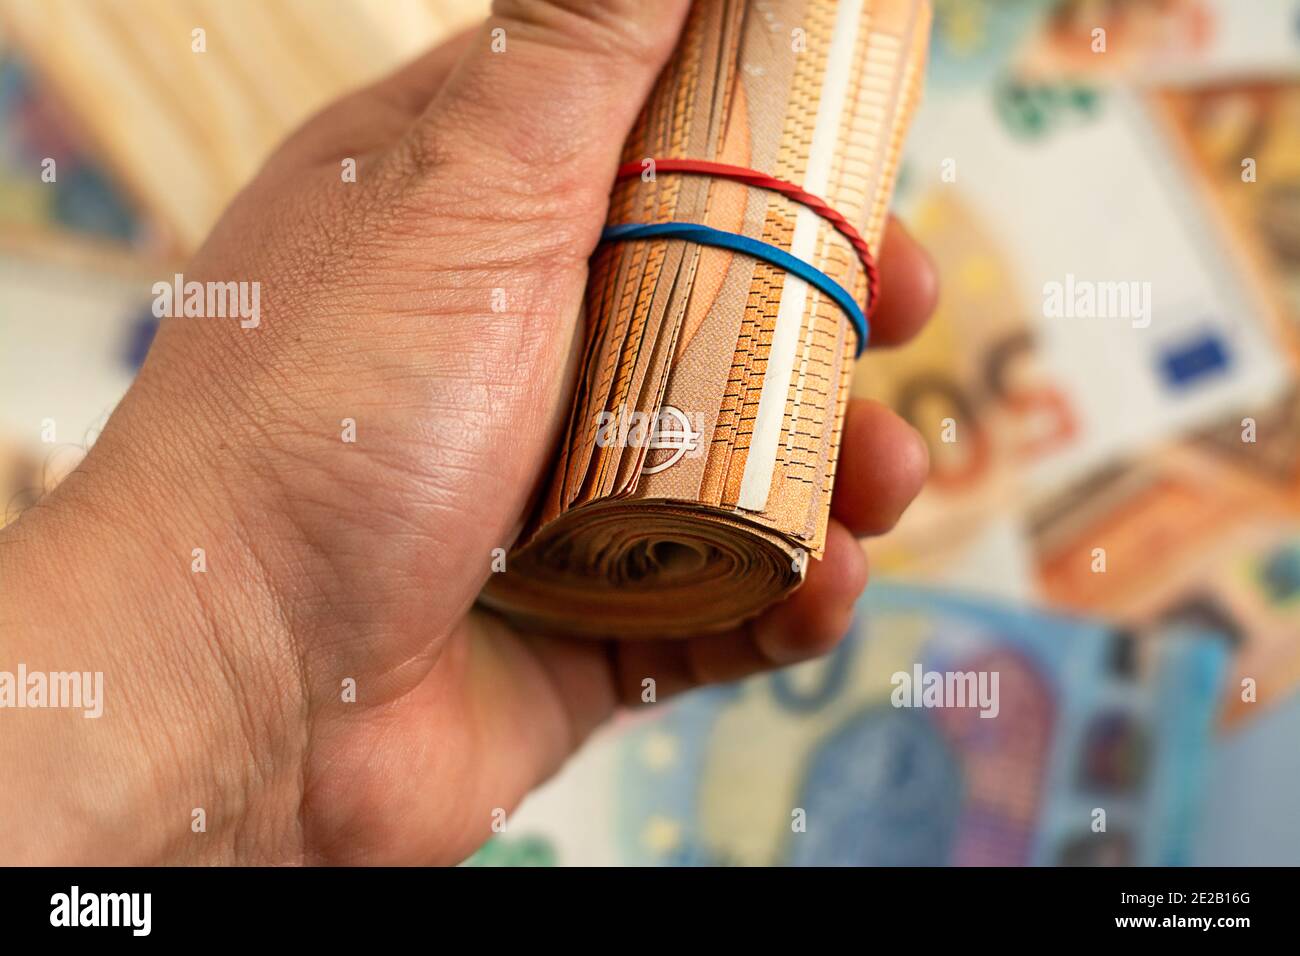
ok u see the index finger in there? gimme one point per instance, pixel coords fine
(909, 287)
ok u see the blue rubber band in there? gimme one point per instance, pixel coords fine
(708, 236)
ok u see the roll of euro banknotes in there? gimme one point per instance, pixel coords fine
(693, 483)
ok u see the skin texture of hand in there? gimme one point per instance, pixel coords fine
(329, 560)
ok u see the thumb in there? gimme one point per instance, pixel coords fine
(548, 91)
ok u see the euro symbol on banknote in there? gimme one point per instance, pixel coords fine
(674, 434)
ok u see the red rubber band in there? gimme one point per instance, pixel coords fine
(752, 177)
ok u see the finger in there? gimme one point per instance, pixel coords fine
(817, 616)
(807, 624)
(548, 92)
(909, 287)
(883, 464)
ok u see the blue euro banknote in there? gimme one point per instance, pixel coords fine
(943, 731)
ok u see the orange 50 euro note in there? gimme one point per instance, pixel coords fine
(693, 483)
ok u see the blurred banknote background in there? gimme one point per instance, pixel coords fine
(1110, 387)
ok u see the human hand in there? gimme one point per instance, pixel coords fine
(328, 561)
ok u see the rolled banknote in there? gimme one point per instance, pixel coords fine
(723, 316)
